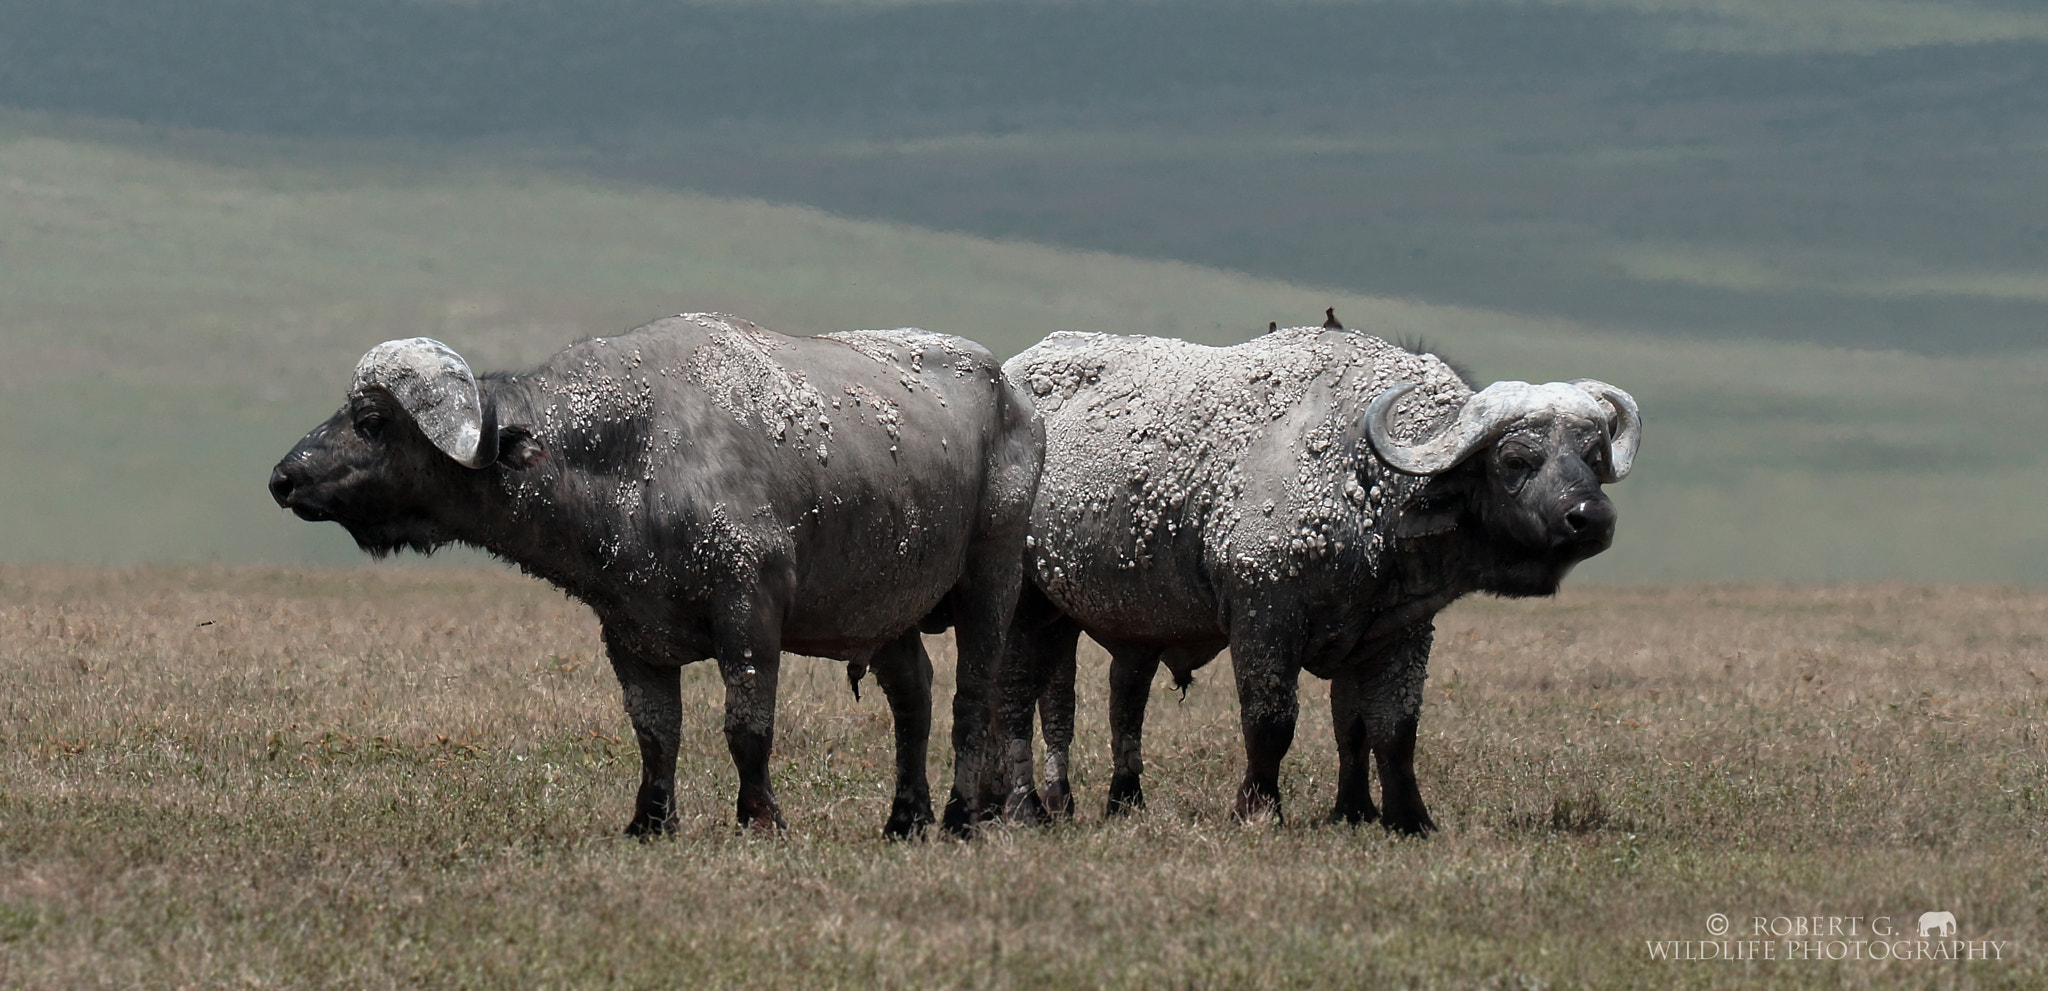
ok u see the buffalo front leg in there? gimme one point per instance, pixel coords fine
(1131, 670)
(1354, 751)
(1399, 790)
(904, 671)
(653, 698)
(1392, 703)
(1267, 708)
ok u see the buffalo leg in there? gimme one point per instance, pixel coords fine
(904, 671)
(1131, 669)
(1032, 656)
(1389, 703)
(1393, 706)
(750, 662)
(1354, 751)
(1267, 708)
(1056, 714)
(1398, 788)
(750, 687)
(985, 601)
(653, 697)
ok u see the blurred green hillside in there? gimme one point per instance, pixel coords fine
(1863, 173)
(178, 306)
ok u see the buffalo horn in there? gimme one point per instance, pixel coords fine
(436, 388)
(1489, 413)
(1624, 427)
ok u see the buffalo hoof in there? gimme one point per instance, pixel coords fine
(654, 812)
(758, 812)
(1024, 808)
(645, 827)
(904, 830)
(1125, 796)
(1254, 806)
(1059, 801)
(957, 822)
(1417, 824)
(1354, 813)
(907, 820)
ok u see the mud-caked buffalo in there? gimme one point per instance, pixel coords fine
(712, 489)
(1309, 500)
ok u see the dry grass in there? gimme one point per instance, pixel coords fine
(376, 778)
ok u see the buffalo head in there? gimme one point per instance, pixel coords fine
(404, 462)
(1526, 464)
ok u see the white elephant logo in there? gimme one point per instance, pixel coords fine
(1943, 922)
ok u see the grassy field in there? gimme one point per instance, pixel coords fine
(376, 778)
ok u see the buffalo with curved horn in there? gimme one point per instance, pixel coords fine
(1310, 500)
(712, 489)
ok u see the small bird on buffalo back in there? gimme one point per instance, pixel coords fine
(1330, 319)
(1272, 325)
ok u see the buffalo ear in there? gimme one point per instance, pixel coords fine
(519, 449)
(1425, 521)
(1439, 506)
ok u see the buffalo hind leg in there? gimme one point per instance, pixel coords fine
(653, 698)
(1056, 714)
(1040, 643)
(1131, 669)
(750, 735)
(749, 648)
(984, 602)
(904, 671)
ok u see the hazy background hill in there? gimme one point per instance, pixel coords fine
(1811, 239)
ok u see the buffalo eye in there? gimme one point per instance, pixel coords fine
(370, 426)
(1517, 463)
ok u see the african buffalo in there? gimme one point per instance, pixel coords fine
(713, 489)
(1310, 500)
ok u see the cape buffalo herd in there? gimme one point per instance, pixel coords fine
(1308, 500)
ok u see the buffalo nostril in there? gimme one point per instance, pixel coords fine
(281, 486)
(1591, 518)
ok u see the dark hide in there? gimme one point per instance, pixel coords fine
(1196, 499)
(714, 490)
